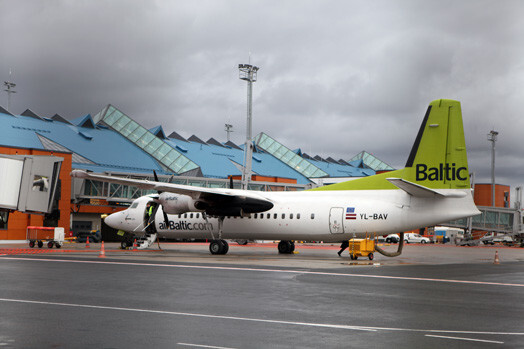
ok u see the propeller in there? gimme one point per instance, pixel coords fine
(231, 182)
(166, 219)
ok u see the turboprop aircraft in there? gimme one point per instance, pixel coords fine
(434, 187)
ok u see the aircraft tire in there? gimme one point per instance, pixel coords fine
(286, 247)
(215, 246)
(225, 247)
(218, 247)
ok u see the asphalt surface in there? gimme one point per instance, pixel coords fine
(182, 297)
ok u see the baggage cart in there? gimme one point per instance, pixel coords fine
(53, 236)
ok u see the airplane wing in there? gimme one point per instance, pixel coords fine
(215, 201)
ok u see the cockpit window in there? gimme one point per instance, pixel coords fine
(134, 205)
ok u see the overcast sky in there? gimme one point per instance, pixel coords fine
(336, 77)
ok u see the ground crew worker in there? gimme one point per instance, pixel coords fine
(150, 210)
(343, 246)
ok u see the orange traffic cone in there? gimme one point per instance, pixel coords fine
(496, 261)
(134, 245)
(87, 242)
(102, 251)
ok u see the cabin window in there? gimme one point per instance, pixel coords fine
(283, 216)
(249, 216)
(261, 216)
(275, 216)
(298, 215)
(291, 216)
(256, 215)
(190, 215)
(268, 215)
(312, 216)
(185, 215)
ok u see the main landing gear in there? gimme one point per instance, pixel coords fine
(286, 247)
(218, 247)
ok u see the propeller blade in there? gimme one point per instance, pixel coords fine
(166, 220)
(231, 182)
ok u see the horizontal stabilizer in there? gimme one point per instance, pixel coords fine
(421, 191)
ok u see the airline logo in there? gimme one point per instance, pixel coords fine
(183, 225)
(442, 172)
(350, 213)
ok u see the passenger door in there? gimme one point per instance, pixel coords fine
(336, 220)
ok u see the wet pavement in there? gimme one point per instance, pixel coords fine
(182, 297)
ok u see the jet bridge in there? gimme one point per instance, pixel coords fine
(28, 183)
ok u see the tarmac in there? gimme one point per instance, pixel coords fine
(181, 296)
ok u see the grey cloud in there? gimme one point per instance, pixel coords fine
(336, 77)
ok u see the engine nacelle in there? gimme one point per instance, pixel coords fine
(176, 204)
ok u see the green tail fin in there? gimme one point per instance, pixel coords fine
(438, 159)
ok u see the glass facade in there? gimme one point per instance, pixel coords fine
(156, 147)
(298, 163)
(372, 162)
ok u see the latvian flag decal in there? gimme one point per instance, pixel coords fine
(350, 213)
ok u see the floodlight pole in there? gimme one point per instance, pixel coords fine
(248, 73)
(229, 129)
(492, 137)
(9, 89)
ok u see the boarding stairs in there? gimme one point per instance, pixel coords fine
(145, 241)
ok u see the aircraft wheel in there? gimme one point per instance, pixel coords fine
(124, 245)
(225, 247)
(214, 247)
(218, 247)
(285, 247)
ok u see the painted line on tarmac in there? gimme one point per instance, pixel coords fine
(202, 346)
(237, 318)
(291, 271)
(163, 312)
(466, 339)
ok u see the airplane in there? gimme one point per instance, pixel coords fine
(434, 187)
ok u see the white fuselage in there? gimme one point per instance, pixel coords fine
(329, 216)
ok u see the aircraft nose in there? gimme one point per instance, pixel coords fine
(114, 220)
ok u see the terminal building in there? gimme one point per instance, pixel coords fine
(112, 143)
